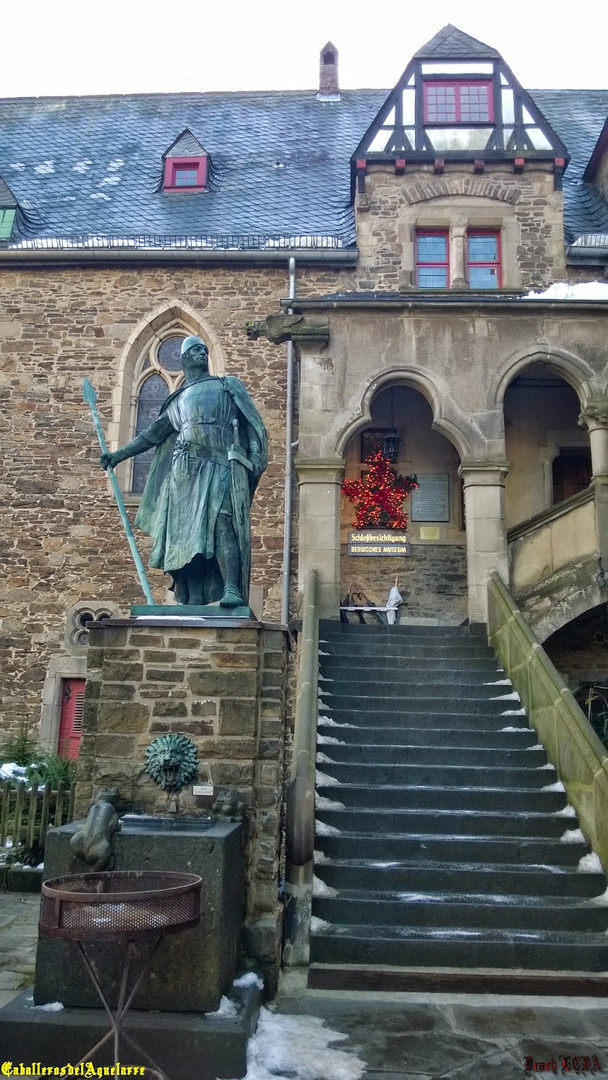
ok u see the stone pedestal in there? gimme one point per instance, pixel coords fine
(221, 683)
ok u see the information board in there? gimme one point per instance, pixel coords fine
(431, 499)
(378, 542)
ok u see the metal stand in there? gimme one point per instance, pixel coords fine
(116, 1019)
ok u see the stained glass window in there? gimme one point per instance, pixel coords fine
(151, 396)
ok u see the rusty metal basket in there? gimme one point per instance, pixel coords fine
(119, 905)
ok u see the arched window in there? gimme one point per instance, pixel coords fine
(160, 373)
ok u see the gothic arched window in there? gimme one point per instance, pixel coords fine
(160, 374)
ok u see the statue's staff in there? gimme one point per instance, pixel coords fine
(89, 395)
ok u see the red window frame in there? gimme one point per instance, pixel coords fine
(460, 88)
(174, 165)
(430, 264)
(495, 264)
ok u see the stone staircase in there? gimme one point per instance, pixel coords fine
(442, 860)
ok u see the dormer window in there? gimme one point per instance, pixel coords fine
(185, 165)
(185, 173)
(458, 102)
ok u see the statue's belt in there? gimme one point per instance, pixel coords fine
(184, 452)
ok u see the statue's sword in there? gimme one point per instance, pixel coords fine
(89, 395)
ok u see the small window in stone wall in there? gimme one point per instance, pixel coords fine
(79, 619)
(160, 374)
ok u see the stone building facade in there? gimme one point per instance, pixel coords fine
(127, 222)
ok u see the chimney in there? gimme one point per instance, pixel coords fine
(329, 89)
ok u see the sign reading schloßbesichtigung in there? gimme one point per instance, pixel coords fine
(379, 542)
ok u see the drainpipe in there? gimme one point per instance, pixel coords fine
(289, 448)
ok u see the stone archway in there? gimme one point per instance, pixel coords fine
(433, 579)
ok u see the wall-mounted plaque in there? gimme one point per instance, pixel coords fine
(431, 499)
(379, 542)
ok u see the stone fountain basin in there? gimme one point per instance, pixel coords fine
(192, 970)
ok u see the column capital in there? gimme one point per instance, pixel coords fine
(595, 415)
(320, 470)
(483, 474)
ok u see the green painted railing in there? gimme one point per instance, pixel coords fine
(579, 757)
(300, 813)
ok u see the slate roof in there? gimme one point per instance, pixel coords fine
(450, 43)
(280, 162)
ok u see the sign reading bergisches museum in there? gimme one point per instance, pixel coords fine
(379, 542)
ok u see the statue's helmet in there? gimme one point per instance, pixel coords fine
(188, 342)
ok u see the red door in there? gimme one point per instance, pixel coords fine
(70, 721)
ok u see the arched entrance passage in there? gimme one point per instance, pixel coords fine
(548, 452)
(433, 579)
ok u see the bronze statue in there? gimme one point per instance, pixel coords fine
(93, 841)
(211, 449)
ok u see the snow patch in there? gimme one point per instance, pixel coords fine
(539, 768)
(601, 900)
(319, 888)
(110, 180)
(537, 745)
(557, 786)
(116, 164)
(325, 779)
(52, 1006)
(572, 836)
(18, 165)
(227, 1010)
(323, 678)
(562, 290)
(326, 721)
(321, 829)
(323, 759)
(513, 712)
(46, 167)
(515, 729)
(11, 771)
(317, 924)
(249, 979)
(298, 1048)
(82, 166)
(323, 803)
(499, 682)
(568, 811)
(328, 740)
(100, 195)
(590, 864)
(320, 856)
(507, 697)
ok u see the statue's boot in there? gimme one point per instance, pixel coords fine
(231, 597)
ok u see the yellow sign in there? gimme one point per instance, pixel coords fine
(430, 532)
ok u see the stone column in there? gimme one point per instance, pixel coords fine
(319, 541)
(458, 262)
(484, 500)
(595, 419)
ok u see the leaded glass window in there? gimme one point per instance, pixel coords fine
(160, 374)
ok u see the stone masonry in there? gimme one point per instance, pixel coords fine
(224, 688)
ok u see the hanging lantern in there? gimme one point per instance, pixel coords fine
(390, 446)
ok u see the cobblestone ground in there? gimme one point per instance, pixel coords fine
(18, 936)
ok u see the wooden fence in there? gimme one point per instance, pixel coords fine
(27, 813)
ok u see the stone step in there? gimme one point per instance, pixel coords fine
(436, 776)
(456, 980)
(385, 796)
(331, 628)
(461, 687)
(429, 755)
(467, 910)
(438, 947)
(397, 848)
(383, 666)
(447, 823)
(463, 736)
(462, 878)
(443, 713)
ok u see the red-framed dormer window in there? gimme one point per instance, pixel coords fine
(484, 270)
(458, 102)
(185, 174)
(432, 259)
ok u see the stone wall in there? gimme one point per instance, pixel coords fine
(432, 580)
(224, 688)
(524, 207)
(61, 540)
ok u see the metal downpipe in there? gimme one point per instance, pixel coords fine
(288, 502)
